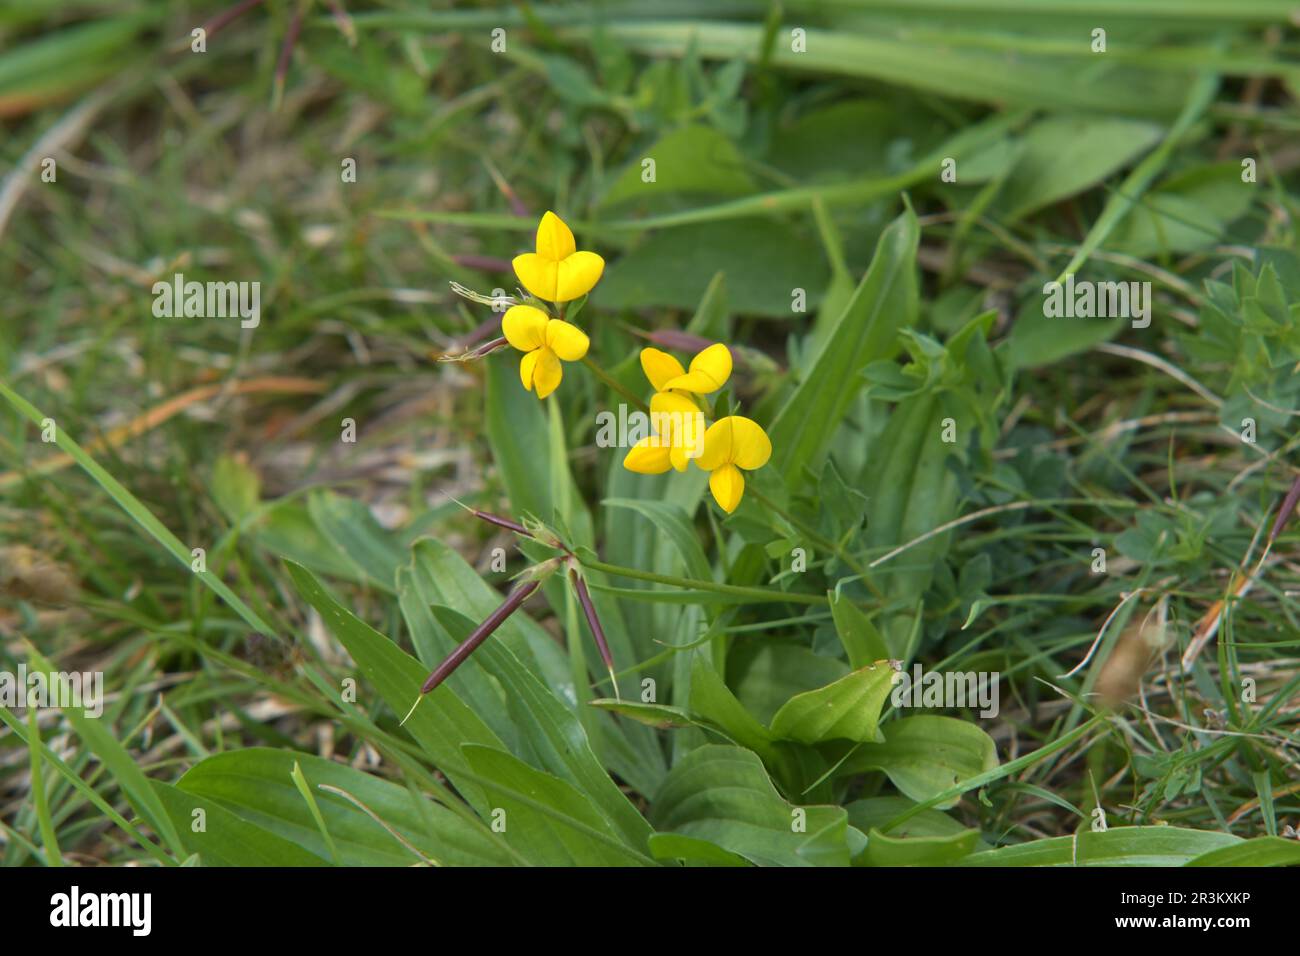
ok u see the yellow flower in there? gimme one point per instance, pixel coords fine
(709, 370)
(557, 272)
(678, 426)
(730, 444)
(544, 341)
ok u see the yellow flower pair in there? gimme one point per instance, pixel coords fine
(729, 444)
(556, 272)
(559, 272)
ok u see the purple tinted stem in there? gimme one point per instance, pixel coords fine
(512, 525)
(1288, 506)
(500, 522)
(482, 263)
(480, 634)
(480, 332)
(286, 51)
(589, 609)
(683, 341)
(485, 349)
(221, 20)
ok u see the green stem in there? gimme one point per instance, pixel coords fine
(758, 594)
(613, 383)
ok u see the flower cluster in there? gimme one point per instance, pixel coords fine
(558, 272)
(730, 444)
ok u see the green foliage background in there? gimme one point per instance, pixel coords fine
(267, 689)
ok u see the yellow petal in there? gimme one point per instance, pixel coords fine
(524, 327)
(673, 403)
(690, 440)
(659, 367)
(554, 239)
(735, 440)
(549, 372)
(567, 341)
(577, 274)
(537, 274)
(649, 456)
(528, 368)
(676, 417)
(717, 446)
(750, 446)
(709, 371)
(727, 485)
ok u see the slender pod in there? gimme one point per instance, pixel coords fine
(480, 634)
(593, 621)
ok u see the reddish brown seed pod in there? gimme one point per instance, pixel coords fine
(593, 621)
(479, 635)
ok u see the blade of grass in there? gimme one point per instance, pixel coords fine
(136, 510)
(1136, 183)
(104, 807)
(49, 837)
(300, 781)
(121, 765)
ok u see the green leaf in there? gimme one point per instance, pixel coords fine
(225, 838)
(885, 302)
(255, 785)
(655, 715)
(353, 530)
(286, 529)
(862, 642)
(440, 723)
(674, 846)
(691, 159)
(556, 738)
(909, 474)
(1261, 851)
(875, 812)
(993, 76)
(710, 318)
(1064, 155)
(848, 709)
(547, 820)
(1037, 339)
(685, 596)
(236, 488)
(1199, 95)
(676, 527)
(714, 701)
(1189, 212)
(924, 756)
(886, 850)
(843, 507)
(33, 742)
(765, 675)
(763, 260)
(722, 795)
(850, 138)
(470, 683)
(571, 82)
(1119, 846)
